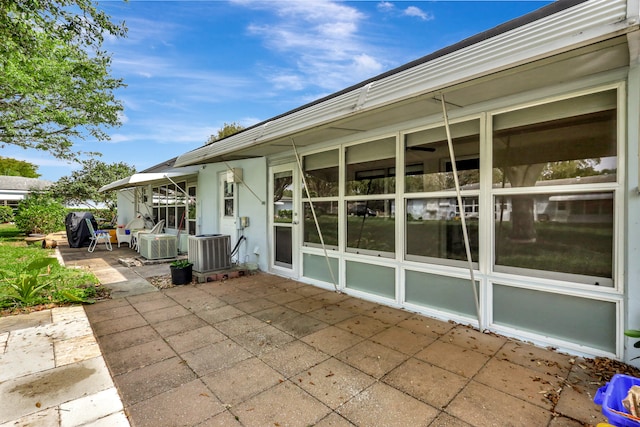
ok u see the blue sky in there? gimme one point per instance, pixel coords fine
(191, 66)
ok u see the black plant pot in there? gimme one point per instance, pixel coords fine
(181, 275)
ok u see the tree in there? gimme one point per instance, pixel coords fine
(82, 186)
(522, 216)
(571, 169)
(522, 206)
(55, 83)
(226, 130)
(13, 167)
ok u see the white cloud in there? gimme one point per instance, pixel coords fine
(162, 131)
(287, 82)
(411, 11)
(135, 64)
(117, 138)
(366, 64)
(146, 31)
(123, 117)
(130, 102)
(307, 10)
(44, 161)
(418, 13)
(385, 6)
(321, 43)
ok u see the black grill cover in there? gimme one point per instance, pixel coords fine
(78, 233)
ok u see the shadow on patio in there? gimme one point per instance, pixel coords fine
(262, 350)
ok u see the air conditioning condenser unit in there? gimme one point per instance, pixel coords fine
(210, 252)
(158, 246)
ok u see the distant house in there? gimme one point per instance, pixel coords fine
(15, 188)
(554, 262)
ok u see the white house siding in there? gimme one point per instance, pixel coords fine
(126, 206)
(630, 313)
(251, 195)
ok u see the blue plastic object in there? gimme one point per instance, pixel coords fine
(610, 396)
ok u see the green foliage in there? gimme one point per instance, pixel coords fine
(105, 214)
(10, 233)
(570, 169)
(82, 186)
(181, 263)
(284, 215)
(24, 286)
(6, 214)
(40, 213)
(83, 294)
(58, 285)
(55, 83)
(13, 167)
(226, 130)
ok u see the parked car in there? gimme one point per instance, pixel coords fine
(361, 210)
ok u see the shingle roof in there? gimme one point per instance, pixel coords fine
(21, 183)
(161, 167)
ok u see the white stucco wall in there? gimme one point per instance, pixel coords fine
(632, 243)
(252, 199)
(126, 206)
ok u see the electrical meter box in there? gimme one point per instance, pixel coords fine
(234, 175)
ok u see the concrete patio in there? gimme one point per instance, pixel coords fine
(263, 350)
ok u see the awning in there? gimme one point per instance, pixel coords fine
(140, 179)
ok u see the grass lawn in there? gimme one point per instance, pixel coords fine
(10, 234)
(31, 277)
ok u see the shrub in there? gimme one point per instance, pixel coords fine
(40, 213)
(24, 286)
(30, 276)
(285, 213)
(6, 214)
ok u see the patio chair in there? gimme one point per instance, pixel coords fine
(124, 235)
(157, 229)
(98, 236)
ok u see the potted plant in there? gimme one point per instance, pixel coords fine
(181, 272)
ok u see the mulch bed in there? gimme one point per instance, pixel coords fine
(161, 282)
(164, 282)
(605, 369)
